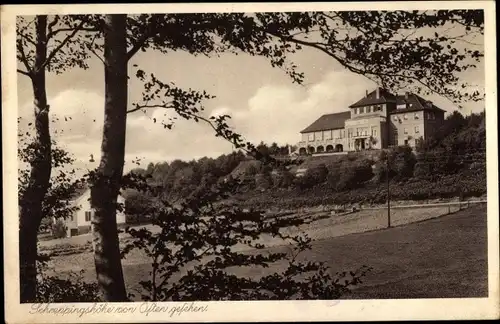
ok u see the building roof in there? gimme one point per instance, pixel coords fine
(416, 103)
(329, 121)
(371, 98)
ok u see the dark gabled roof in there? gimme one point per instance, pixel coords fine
(329, 121)
(371, 98)
(416, 103)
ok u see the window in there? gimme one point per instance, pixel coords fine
(401, 106)
(417, 116)
(319, 136)
(405, 116)
(395, 118)
(311, 137)
(417, 130)
(405, 131)
(369, 109)
(374, 132)
(327, 135)
(361, 110)
(88, 216)
(355, 111)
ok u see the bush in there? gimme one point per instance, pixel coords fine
(350, 175)
(59, 229)
(52, 289)
(56, 290)
(210, 240)
(283, 179)
(401, 164)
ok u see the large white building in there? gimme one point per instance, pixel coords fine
(378, 120)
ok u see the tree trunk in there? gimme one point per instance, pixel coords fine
(30, 204)
(106, 185)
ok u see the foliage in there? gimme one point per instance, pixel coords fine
(62, 186)
(351, 175)
(59, 229)
(283, 179)
(468, 184)
(458, 145)
(52, 289)
(401, 162)
(380, 45)
(196, 244)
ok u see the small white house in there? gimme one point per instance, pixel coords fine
(80, 222)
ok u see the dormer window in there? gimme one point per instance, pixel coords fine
(417, 116)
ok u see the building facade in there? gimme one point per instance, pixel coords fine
(80, 222)
(378, 120)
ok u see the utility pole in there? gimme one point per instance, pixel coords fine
(388, 128)
(388, 192)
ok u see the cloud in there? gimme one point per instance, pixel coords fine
(277, 113)
(273, 113)
(77, 118)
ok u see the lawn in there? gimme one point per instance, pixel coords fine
(438, 257)
(444, 257)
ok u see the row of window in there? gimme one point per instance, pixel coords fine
(430, 116)
(361, 131)
(88, 216)
(417, 130)
(325, 135)
(367, 109)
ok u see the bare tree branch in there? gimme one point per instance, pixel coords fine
(23, 72)
(23, 57)
(64, 42)
(51, 25)
(139, 107)
(93, 51)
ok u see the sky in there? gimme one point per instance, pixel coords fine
(264, 103)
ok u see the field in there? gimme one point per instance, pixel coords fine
(427, 254)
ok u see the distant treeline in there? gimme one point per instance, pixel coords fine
(452, 163)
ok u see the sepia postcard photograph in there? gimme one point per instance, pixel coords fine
(250, 162)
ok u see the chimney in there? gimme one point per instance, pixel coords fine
(289, 150)
(378, 93)
(367, 93)
(407, 94)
